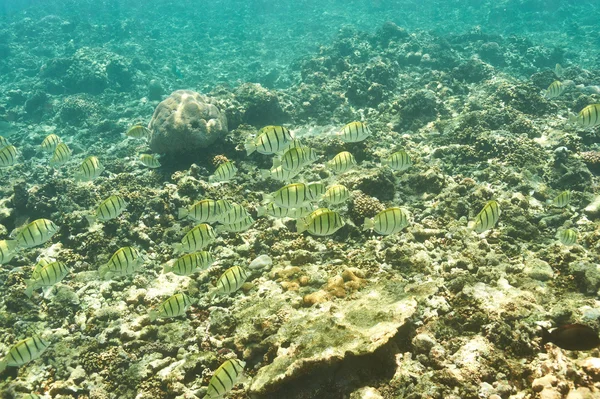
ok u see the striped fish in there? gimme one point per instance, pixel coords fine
(123, 262)
(398, 161)
(8, 250)
(189, 264)
(8, 156)
(225, 172)
(336, 194)
(236, 214)
(36, 233)
(230, 281)
(277, 211)
(42, 262)
(48, 276)
(342, 162)
(149, 161)
(89, 169)
(354, 132)
(555, 89)
(24, 351)
(587, 117)
(563, 199)
(224, 378)
(270, 139)
(487, 218)
(290, 196)
(206, 210)
(389, 221)
(292, 144)
(321, 222)
(62, 153)
(109, 209)
(278, 173)
(196, 239)
(567, 237)
(315, 191)
(295, 158)
(174, 306)
(3, 142)
(50, 143)
(237, 227)
(139, 131)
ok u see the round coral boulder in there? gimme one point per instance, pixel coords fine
(186, 121)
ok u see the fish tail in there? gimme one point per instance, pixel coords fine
(103, 270)
(267, 198)
(3, 364)
(573, 118)
(153, 314)
(301, 226)
(250, 147)
(182, 213)
(178, 248)
(368, 224)
(12, 246)
(546, 336)
(168, 267)
(29, 288)
(91, 220)
(261, 211)
(265, 173)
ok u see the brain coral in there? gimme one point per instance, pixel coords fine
(186, 121)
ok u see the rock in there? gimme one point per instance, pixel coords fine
(186, 121)
(155, 90)
(538, 269)
(262, 262)
(582, 393)
(423, 342)
(366, 393)
(546, 381)
(591, 366)
(593, 209)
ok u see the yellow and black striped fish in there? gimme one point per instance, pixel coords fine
(563, 199)
(270, 139)
(398, 161)
(8, 249)
(296, 158)
(354, 132)
(224, 378)
(149, 161)
(24, 351)
(174, 306)
(48, 276)
(567, 237)
(123, 262)
(3, 142)
(235, 214)
(389, 221)
(555, 89)
(237, 227)
(36, 233)
(108, 209)
(225, 172)
(277, 211)
(488, 217)
(342, 162)
(196, 239)
(587, 117)
(315, 191)
(189, 264)
(292, 144)
(89, 169)
(336, 194)
(231, 280)
(62, 153)
(50, 143)
(290, 196)
(42, 262)
(321, 222)
(139, 131)
(278, 173)
(8, 156)
(206, 210)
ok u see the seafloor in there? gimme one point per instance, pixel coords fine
(436, 311)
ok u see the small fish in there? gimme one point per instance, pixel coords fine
(89, 169)
(342, 162)
(487, 218)
(398, 161)
(108, 209)
(225, 172)
(321, 222)
(230, 281)
(555, 89)
(296, 158)
(224, 378)
(293, 195)
(587, 117)
(8, 249)
(123, 262)
(567, 237)
(270, 139)
(24, 351)
(389, 221)
(42, 262)
(189, 264)
(354, 132)
(196, 239)
(176, 71)
(3, 142)
(139, 131)
(50, 143)
(278, 173)
(149, 161)
(237, 227)
(572, 337)
(62, 153)
(276, 211)
(558, 70)
(174, 306)
(48, 276)
(289, 145)
(235, 214)
(8, 156)
(36, 233)
(206, 210)
(315, 191)
(563, 199)
(336, 194)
